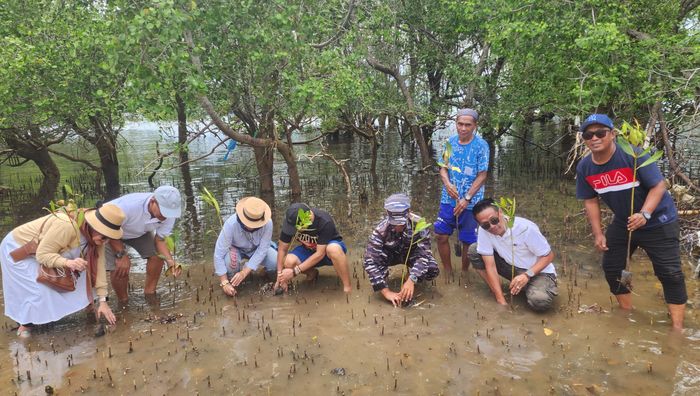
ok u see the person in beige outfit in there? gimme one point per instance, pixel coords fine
(62, 243)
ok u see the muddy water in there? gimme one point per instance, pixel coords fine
(455, 340)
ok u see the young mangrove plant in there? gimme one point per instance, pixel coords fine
(629, 140)
(171, 241)
(210, 200)
(417, 227)
(507, 206)
(69, 207)
(303, 223)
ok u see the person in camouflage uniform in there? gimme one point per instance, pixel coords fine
(389, 244)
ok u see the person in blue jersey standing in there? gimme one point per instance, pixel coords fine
(608, 174)
(463, 178)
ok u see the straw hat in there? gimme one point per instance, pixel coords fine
(253, 212)
(107, 220)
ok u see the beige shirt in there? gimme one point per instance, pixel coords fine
(59, 235)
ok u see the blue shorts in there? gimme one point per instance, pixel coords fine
(446, 223)
(303, 253)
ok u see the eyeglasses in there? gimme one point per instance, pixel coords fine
(492, 222)
(599, 133)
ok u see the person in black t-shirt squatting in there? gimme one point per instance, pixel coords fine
(320, 244)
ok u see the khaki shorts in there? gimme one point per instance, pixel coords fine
(145, 246)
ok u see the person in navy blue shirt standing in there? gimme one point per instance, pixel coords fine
(608, 173)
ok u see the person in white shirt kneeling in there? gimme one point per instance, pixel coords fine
(521, 251)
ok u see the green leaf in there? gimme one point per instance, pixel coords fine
(654, 157)
(447, 154)
(421, 225)
(626, 147)
(69, 189)
(170, 243)
(303, 219)
(81, 218)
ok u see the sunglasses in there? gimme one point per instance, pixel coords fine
(246, 228)
(492, 222)
(599, 133)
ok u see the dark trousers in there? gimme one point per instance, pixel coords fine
(663, 248)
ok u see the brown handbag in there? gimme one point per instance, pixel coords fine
(59, 278)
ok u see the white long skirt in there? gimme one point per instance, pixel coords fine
(26, 300)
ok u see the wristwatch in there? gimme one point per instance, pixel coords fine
(120, 254)
(468, 197)
(530, 273)
(646, 215)
(413, 278)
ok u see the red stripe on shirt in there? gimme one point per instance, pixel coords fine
(613, 180)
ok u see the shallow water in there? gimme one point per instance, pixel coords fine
(455, 340)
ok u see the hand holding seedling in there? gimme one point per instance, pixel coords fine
(229, 289)
(240, 276)
(284, 277)
(635, 221)
(518, 283)
(407, 289)
(460, 206)
(77, 264)
(452, 190)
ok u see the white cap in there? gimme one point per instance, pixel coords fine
(169, 202)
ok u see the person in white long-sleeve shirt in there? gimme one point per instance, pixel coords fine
(245, 235)
(150, 219)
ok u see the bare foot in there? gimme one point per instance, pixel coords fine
(311, 275)
(24, 331)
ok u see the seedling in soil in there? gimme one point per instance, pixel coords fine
(446, 156)
(633, 135)
(507, 206)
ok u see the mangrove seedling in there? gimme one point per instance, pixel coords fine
(507, 206)
(303, 223)
(210, 200)
(171, 242)
(632, 136)
(417, 227)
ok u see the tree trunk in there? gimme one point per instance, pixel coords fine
(43, 160)
(410, 115)
(193, 228)
(110, 170)
(264, 161)
(182, 129)
(104, 139)
(292, 170)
